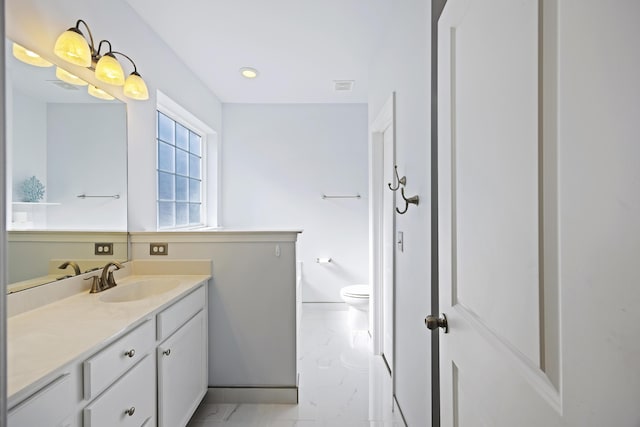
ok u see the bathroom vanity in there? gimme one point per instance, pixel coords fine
(89, 360)
(133, 355)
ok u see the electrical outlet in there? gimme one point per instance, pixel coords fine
(158, 248)
(103, 249)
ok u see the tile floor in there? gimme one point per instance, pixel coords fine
(342, 384)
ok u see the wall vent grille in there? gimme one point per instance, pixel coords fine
(343, 85)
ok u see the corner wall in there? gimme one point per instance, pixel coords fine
(402, 64)
(278, 160)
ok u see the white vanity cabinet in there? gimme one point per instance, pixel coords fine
(182, 359)
(153, 373)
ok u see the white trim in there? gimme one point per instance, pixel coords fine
(213, 236)
(66, 236)
(384, 119)
(270, 395)
(3, 243)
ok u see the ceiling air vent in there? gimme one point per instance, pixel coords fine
(343, 85)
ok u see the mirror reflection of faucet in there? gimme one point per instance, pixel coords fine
(76, 267)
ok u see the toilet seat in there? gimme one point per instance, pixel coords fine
(356, 297)
(356, 291)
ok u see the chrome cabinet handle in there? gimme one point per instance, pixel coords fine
(432, 322)
(167, 352)
(130, 353)
(130, 411)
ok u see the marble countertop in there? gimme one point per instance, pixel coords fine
(43, 340)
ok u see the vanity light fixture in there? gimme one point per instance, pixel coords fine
(248, 72)
(67, 77)
(99, 93)
(72, 46)
(29, 57)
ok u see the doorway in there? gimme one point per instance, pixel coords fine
(383, 231)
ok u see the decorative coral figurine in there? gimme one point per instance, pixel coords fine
(32, 190)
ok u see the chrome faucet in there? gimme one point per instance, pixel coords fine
(76, 267)
(105, 280)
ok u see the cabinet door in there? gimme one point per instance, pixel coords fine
(182, 372)
(48, 406)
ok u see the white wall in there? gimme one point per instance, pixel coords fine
(402, 65)
(252, 301)
(28, 132)
(278, 160)
(82, 162)
(37, 23)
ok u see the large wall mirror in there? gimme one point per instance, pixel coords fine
(66, 174)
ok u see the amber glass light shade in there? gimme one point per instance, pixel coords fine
(109, 70)
(73, 47)
(29, 57)
(99, 93)
(135, 87)
(66, 76)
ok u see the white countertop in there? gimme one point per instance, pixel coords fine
(45, 339)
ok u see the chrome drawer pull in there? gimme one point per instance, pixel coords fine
(130, 353)
(130, 411)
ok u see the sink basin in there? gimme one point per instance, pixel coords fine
(139, 290)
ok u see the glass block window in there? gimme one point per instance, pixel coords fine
(180, 178)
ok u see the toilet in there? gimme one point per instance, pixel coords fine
(357, 299)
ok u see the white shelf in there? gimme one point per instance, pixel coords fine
(35, 204)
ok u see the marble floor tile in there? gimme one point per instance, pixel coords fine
(342, 384)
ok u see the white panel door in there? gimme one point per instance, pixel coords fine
(527, 301)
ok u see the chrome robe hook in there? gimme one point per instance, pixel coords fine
(401, 181)
(413, 200)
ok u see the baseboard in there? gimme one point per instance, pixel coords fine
(276, 395)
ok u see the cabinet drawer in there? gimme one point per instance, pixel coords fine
(106, 366)
(178, 314)
(129, 402)
(49, 406)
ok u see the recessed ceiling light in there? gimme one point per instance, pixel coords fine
(248, 72)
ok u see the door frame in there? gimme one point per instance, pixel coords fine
(385, 118)
(3, 245)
